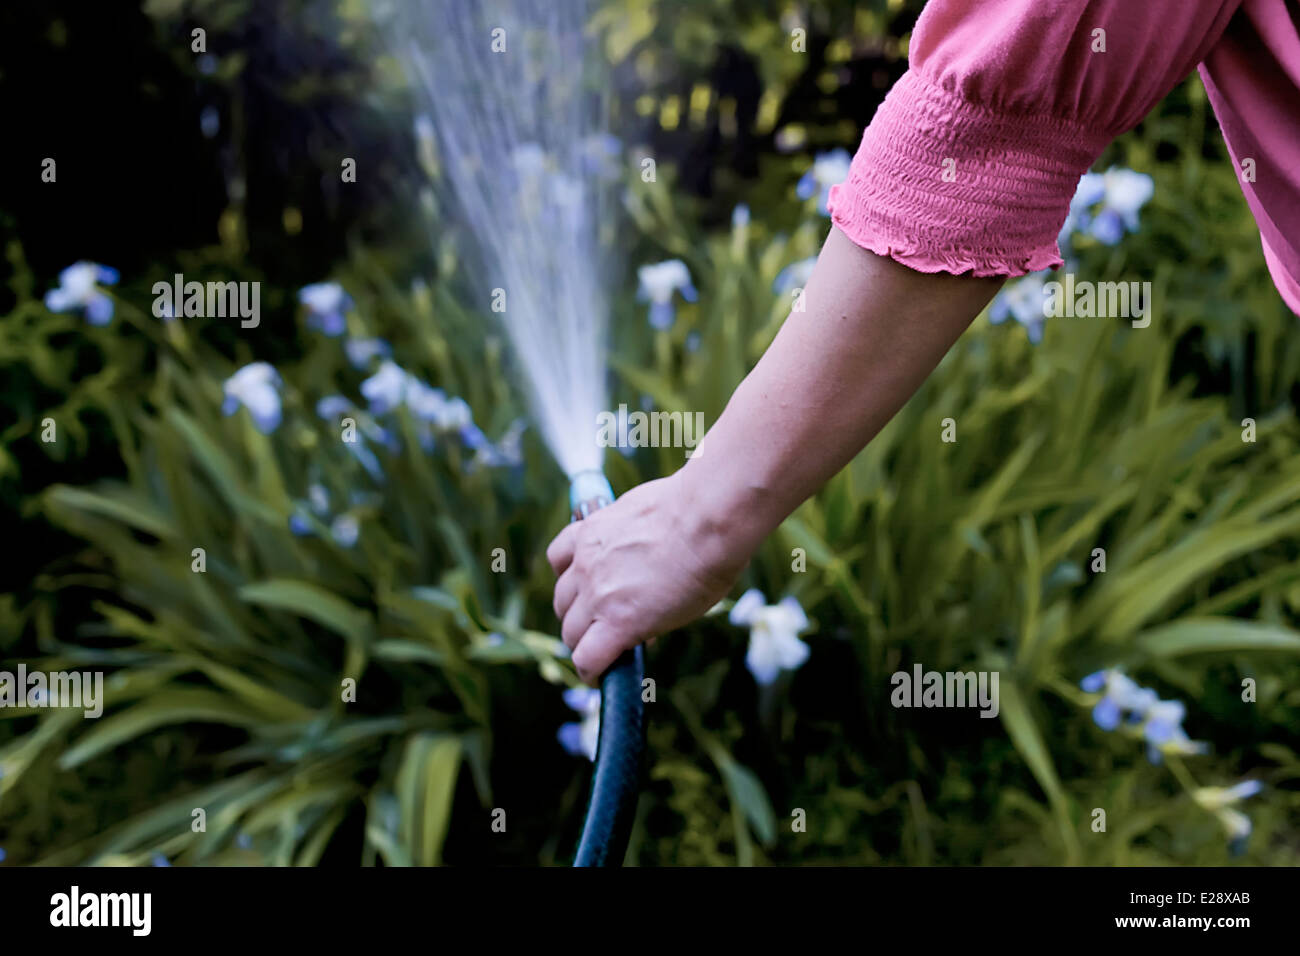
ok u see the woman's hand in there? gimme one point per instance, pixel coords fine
(636, 569)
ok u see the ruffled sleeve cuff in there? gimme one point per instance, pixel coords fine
(941, 184)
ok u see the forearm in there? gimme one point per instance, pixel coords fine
(870, 331)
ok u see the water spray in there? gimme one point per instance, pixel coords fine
(517, 109)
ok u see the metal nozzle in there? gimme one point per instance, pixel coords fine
(588, 491)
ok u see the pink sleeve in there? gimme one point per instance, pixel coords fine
(1252, 77)
(970, 162)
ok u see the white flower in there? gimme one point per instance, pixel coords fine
(581, 737)
(1216, 798)
(386, 389)
(1220, 802)
(660, 280)
(255, 387)
(345, 530)
(432, 405)
(1162, 716)
(455, 415)
(1236, 823)
(774, 643)
(658, 283)
(426, 403)
(1126, 192)
(323, 296)
(79, 289)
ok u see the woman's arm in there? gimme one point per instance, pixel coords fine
(837, 372)
(869, 333)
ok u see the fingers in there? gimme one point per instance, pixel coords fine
(566, 589)
(576, 622)
(560, 551)
(596, 651)
(595, 645)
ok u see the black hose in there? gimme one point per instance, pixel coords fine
(616, 778)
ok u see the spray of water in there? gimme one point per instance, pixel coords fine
(517, 114)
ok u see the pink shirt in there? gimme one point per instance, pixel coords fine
(1012, 93)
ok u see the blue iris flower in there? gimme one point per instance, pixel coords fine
(1124, 701)
(1106, 205)
(658, 283)
(79, 290)
(828, 169)
(327, 305)
(1106, 714)
(255, 387)
(361, 352)
(333, 407)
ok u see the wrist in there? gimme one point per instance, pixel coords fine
(722, 514)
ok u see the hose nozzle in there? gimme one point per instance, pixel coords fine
(588, 491)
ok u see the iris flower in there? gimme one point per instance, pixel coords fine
(432, 405)
(345, 530)
(1160, 721)
(326, 303)
(361, 352)
(828, 169)
(508, 452)
(1220, 801)
(658, 283)
(386, 389)
(774, 643)
(333, 407)
(580, 737)
(256, 388)
(1023, 301)
(1106, 205)
(78, 289)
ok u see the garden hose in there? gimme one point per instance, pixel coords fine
(616, 776)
